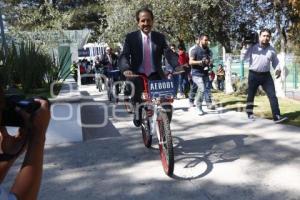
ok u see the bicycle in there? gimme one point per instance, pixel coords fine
(128, 104)
(112, 89)
(100, 80)
(155, 120)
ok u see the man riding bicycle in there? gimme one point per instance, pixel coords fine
(110, 62)
(142, 54)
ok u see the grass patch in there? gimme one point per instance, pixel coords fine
(262, 108)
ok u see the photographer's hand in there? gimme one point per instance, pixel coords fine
(41, 118)
(12, 147)
(27, 182)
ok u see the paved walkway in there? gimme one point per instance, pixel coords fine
(218, 156)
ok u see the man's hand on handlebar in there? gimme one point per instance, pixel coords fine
(127, 73)
(130, 74)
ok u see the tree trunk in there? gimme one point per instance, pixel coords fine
(227, 58)
(4, 44)
(280, 83)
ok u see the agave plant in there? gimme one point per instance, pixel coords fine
(57, 70)
(31, 66)
(8, 76)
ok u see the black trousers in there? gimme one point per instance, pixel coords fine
(255, 79)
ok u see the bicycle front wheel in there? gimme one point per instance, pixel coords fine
(166, 143)
(109, 95)
(100, 84)
(146, 130)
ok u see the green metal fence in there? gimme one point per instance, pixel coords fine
(292, 73)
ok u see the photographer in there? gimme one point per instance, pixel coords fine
(29, 139)
(201, 62)
(261, 55)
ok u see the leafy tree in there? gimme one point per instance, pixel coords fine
(91, 16)
(56, 15)
(182, 19)
(294, 29)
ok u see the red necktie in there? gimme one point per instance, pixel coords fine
(147, 56)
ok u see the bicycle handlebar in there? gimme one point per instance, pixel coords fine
(132, 76)
(114, 71)
(178, 70)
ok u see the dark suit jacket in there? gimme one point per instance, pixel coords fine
(131, 57)
(105, 61)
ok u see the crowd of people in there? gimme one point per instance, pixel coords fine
(146, 51)
(101, 64)
(194, 82)
(186, 83)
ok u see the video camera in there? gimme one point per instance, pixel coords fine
(10, 117)
(250, 37)
(206, 63)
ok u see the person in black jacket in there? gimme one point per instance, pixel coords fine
(142, 53)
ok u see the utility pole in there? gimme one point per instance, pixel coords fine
(4, 45)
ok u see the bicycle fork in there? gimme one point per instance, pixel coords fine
(153, 122)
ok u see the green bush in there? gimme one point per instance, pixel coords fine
(29, 67)
(241, 88)
(32, 65)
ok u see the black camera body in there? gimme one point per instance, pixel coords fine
(206, 63)
(250, 37)
(10, 117)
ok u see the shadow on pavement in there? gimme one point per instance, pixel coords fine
(95, 118)
(206, 152)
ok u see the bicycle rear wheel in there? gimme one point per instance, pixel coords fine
(166, 143)
(100, 84)
(146, 130)
(109, 91)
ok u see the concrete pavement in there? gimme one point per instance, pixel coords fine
(219, 156)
